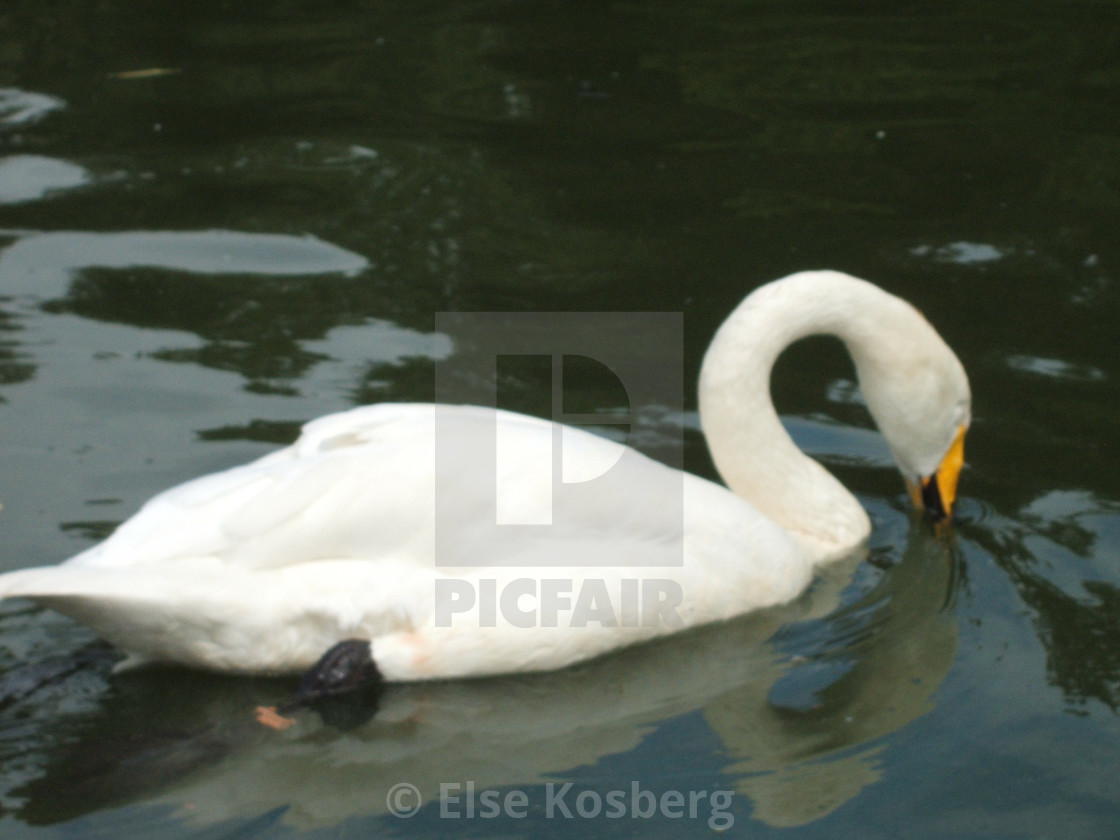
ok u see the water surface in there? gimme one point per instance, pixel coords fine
(218, 222)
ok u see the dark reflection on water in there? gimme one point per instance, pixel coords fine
(217, 222)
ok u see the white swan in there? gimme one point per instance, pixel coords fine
(262, 568)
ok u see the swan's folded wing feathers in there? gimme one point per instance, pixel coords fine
(176, 522)
(361, 485)
(212, 514)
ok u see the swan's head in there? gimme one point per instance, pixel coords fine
(914, 386)
(917, 391)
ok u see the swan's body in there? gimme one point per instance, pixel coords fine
(261, 568)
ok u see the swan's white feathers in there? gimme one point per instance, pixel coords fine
(262, 567)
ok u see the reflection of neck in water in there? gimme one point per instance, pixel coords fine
(863, 672)
(798, 745)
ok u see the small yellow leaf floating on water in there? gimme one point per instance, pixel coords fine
(148, 73)
(268, 716)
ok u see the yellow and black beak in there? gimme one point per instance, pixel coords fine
(936, 493)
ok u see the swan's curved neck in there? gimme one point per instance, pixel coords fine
(751, 449)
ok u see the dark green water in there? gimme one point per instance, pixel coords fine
(220, 220)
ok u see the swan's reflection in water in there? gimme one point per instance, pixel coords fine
(800, 716)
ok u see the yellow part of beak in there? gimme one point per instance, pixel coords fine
(946, 477)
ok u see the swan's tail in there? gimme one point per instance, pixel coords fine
(20, 584)
(198, 614)
(94, 597)
(85, 595)
(55, 586)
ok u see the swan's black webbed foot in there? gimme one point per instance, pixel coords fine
(346, 667)
(343, 687)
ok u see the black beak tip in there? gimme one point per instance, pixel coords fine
(932, 502)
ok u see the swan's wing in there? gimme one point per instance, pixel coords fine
(226, 514)
(362, 484)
